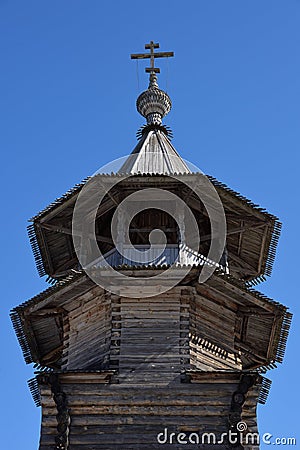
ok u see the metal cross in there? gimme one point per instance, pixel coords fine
(152, 56)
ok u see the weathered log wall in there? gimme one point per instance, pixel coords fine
(113, 416)
(152, 339)
(87, 333)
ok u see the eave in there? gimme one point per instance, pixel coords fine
(250, 228)
(220, 287)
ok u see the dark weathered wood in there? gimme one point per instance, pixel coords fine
(258, 247)
(60, 229)
(102, 415)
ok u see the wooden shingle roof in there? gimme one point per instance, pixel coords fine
(259, 327)
(154, 154)
(252, 233)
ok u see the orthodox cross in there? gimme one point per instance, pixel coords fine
(151, 46)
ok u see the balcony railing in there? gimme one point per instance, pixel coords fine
(177, 254)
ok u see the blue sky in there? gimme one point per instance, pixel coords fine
(67, 107)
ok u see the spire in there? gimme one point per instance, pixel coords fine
(153, 104)
(154, 153)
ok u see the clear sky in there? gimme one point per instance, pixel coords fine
(67, 106)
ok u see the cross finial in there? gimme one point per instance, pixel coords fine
(151, 46)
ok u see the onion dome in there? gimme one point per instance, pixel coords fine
(153, 104)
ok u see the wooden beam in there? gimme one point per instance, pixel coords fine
(240, 240)
(65, 268)
(117, 204)
(47, 312)
(41, 237)
(148, 230)
(251, 352)
(57, 209)
(238, 268)
(252, 311)
(262, 248)
(59, 229)
(148, 55)
(245, 217)
(243, 263)
(240, 229)
(49, 356)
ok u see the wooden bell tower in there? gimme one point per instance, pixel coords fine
(142, 365)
